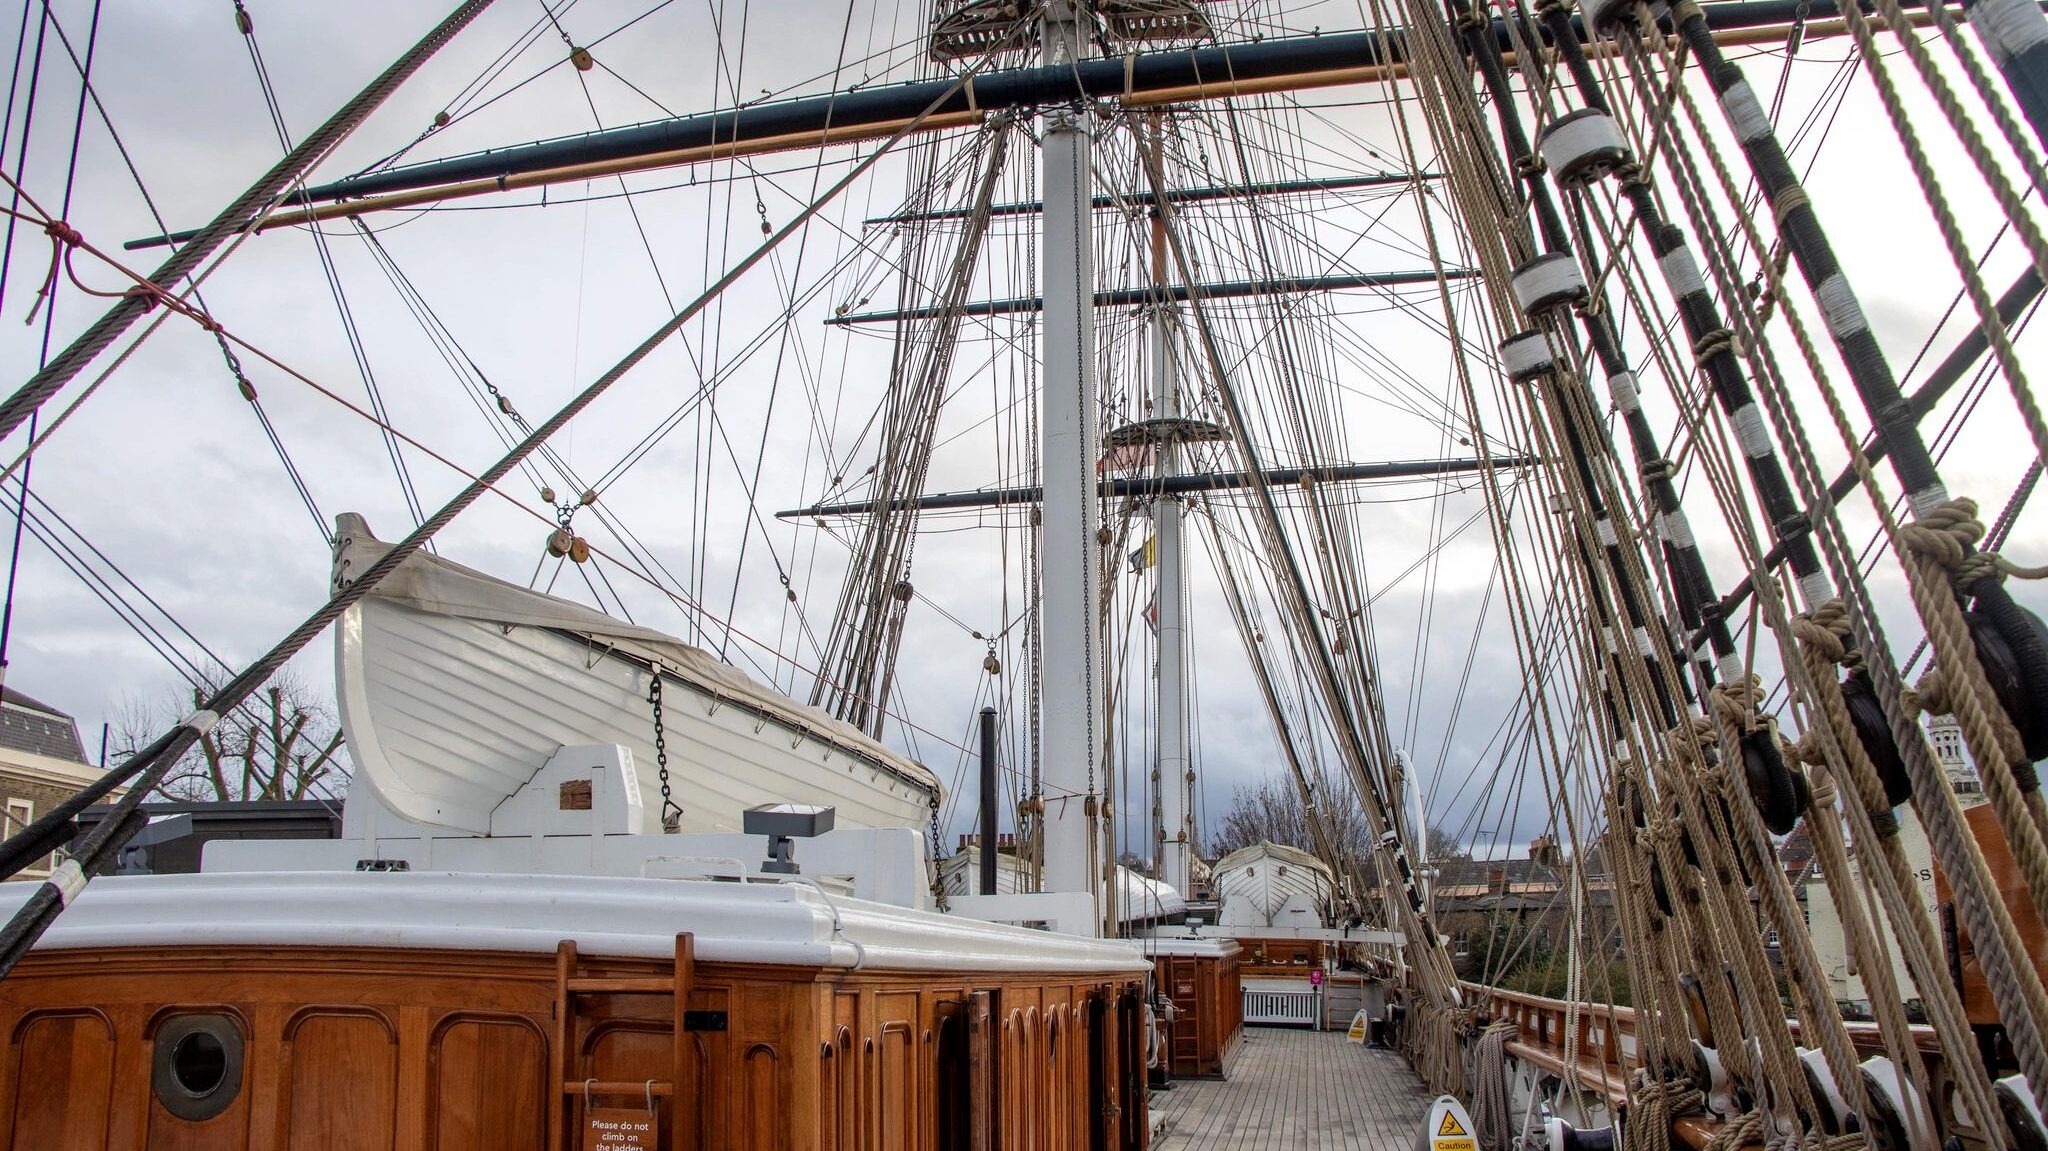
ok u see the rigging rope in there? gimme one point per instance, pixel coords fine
(260, 198)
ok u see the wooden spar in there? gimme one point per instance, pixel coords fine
(574, 172)
(1142, 199)
(1175, 293)
(1332, 64)
(1126, 486)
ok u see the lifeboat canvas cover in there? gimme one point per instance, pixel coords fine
(455, 687)
(1272, 885)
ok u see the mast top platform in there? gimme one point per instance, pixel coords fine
(1174, 429)
(970, 29)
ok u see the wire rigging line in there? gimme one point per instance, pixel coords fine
(258, 199)
(45, 295)
(146, 770)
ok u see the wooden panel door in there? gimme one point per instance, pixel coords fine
(340, 1080)
(63, 1081)
(487, 1081)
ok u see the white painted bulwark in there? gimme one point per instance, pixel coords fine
(885, 864)
(456, 689)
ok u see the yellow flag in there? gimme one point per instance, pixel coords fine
(1146, 555)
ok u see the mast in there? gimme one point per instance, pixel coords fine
(1174, 771)
(1071, 685)
(1174, 764)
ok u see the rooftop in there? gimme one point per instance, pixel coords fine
(1482, 872)
(29, 725)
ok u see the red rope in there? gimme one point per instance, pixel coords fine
(63, 237)
(65, 240)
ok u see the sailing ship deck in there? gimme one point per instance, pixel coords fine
(1293, 1090)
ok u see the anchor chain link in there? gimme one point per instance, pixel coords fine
(938, 882)
(671, 812)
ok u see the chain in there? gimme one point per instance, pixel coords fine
(938, 884)
(671, 814)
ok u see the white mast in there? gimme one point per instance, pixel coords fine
(1071, 687)
(1174, 768)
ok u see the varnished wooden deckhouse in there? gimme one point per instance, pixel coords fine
(385, 1011)
(1199, 978)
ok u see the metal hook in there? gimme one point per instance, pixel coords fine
(650, 1096)
(586, 1091)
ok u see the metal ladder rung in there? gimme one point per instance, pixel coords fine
(659, 1088)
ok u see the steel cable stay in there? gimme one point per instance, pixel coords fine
(258, 200)
(106, 580)
(1640, 728)
(28, 123)
(142, 773)
(1471, 206)
(46, 295)
(458, 359)
(1438, 978)
(752, 487)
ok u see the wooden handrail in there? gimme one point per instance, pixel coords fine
(1604, 1063)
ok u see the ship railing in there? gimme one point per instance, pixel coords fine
(1293, 1007)
(1603, 1047)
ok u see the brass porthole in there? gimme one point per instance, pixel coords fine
(196, 1067)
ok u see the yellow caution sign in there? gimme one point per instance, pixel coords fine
(1358, 1028)
(1450, 1126)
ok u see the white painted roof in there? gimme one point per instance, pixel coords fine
(1182, 945)
(782, 923)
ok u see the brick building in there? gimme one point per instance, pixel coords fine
(41, 763)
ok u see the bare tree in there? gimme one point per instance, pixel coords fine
(284, 742)
(1273, 812)
(1442, 845)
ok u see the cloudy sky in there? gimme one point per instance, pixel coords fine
(166, 470)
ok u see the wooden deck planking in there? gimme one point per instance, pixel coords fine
(1294, 1090)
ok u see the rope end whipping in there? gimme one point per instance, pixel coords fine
(69, 880)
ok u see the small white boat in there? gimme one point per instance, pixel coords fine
(456, 688)
(1140, 898)
(1272, 885)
